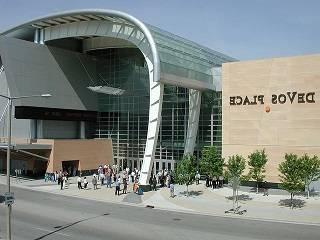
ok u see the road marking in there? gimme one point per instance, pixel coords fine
(49, 231)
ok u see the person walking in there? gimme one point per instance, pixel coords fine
(85, 183)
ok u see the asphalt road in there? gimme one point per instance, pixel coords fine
(38, 215)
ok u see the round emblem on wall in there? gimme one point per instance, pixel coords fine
(267, 109)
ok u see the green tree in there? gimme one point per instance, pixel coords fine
(211, 162)
(292, 175)
(311, 170)
(186, 171)
(257, 162)
(235, 168)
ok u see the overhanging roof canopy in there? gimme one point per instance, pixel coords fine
(179, 61)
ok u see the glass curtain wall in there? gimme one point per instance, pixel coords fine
(173, 127)
(124, 118)
(210, 122)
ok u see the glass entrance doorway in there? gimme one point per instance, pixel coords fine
(71, 167)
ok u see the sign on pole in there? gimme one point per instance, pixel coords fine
(9, 198)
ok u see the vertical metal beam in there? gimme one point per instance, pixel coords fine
(193, 121)
(9, 209)
(211, 129)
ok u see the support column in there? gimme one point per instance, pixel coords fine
(156, 94)
(36, 35)
(156, 97)
(41, 36)
(82, 130)
(193, 121)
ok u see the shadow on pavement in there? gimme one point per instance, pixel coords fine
(296, 203)
(191, 193)
(132, 198)
(60, 228)
(242, 197)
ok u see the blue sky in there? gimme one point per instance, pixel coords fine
(244, 29)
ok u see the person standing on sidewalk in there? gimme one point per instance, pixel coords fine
(125, 186)
(154, 183)
(266, 192)
(214, 181)
(197, 178)
(118, 182)
(171, 189)
(79, 180)
(133, 175)
(62, 182)
(95, 182)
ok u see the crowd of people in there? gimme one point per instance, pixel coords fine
(214, 181)
(110, 176)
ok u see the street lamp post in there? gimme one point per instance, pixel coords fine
(10, 101)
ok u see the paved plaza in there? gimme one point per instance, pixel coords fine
(201, 200)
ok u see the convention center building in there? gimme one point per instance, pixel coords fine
(114, 91)
(95, 87)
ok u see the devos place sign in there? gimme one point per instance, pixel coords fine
(288, 97)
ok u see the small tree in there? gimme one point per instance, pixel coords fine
(186, 171)
(311, 170)
(236, 166)
(211, 162)
(257, 162)
(292, 175)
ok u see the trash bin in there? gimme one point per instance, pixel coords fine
(140, 191)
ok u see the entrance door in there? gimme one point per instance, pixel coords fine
(71, 167)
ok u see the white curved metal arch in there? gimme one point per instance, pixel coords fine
(118, 30)
(106, 12)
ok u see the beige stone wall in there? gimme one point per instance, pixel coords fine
(288, 127)
(90, 152)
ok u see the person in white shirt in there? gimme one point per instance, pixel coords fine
(133, 176)
(79, 181)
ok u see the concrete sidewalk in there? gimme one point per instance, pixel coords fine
(201, 200)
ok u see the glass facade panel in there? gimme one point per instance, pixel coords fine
(184, 58)
(124, 118)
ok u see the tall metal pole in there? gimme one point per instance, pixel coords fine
(8, 169)
(10, 99)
